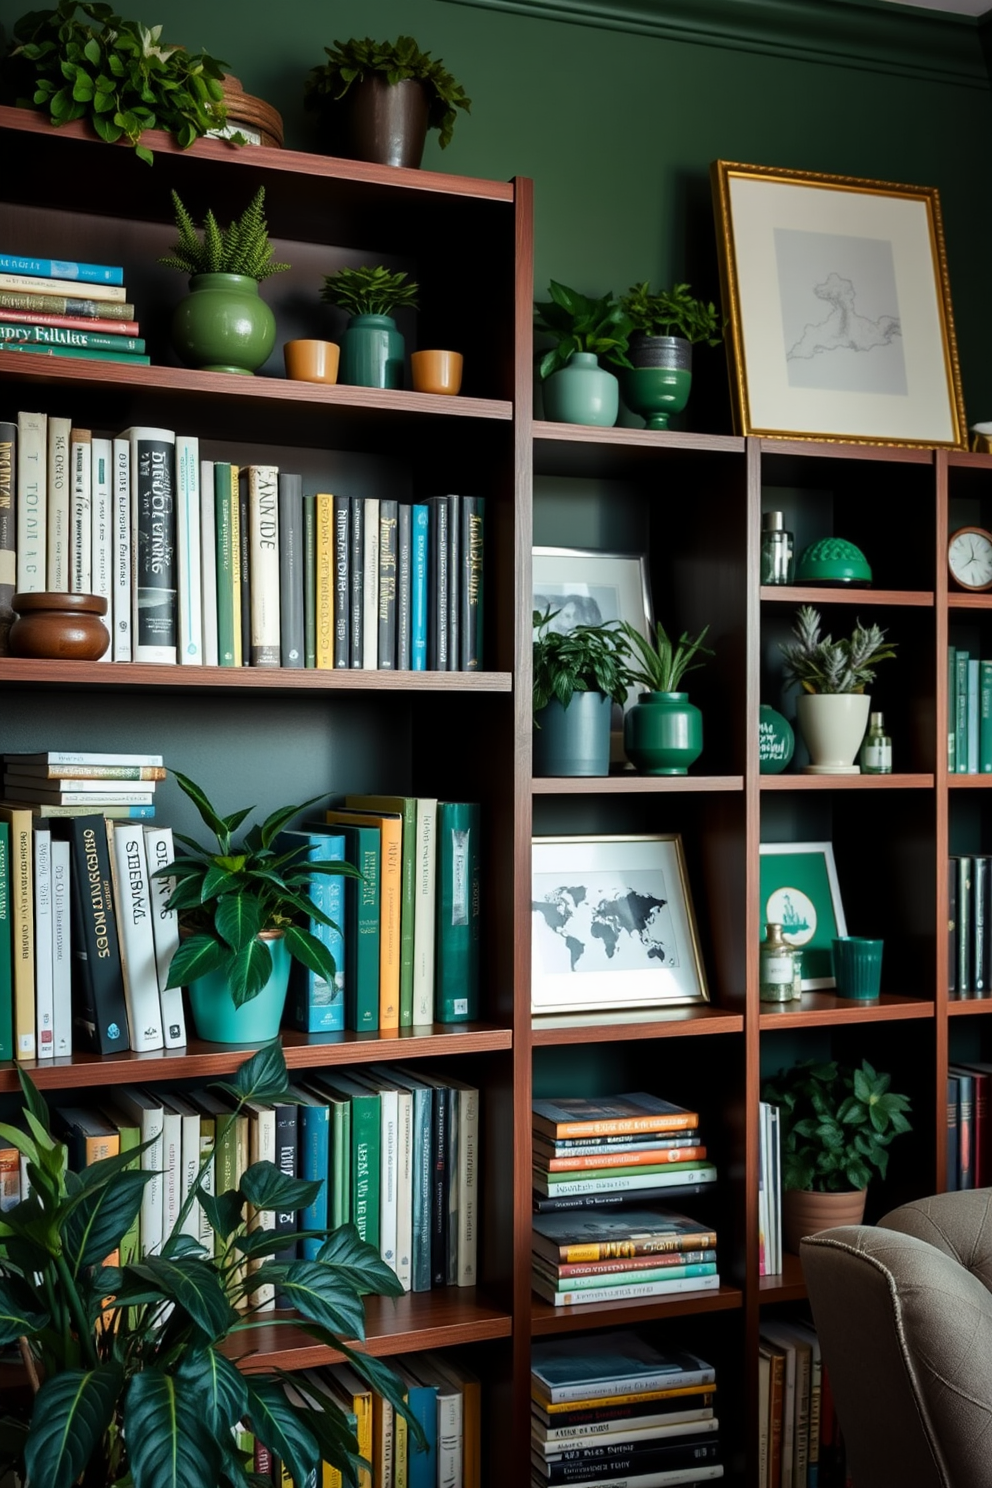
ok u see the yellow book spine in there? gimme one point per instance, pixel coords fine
(21, 896)
(324, 505)
(362, 1406)
(572, 1405)
(401, 1463)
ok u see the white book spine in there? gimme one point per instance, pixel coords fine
(764, 1229)
(775, 1187)
(172, 1170)
(404, 1188)
(149, 1118)
(61, 951)
(134, 918)
(263, 537)
(188, 550)
(370, 587)
(80, 511)
(387, 1177)
(121, 579)
(204, 1233)
(706, 1472)
(208, 562)
(102, 536)
(58, 570)
(159, 852)
(449, 1439)
(669, 1179)
(424, 914)
(153, 545)
(635, 1289)
(32, 502)
(467, 1153)
(262, 1148)
(44, 995)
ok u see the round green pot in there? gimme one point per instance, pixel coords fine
(372, 353)
(218, 1020)
(223, 324)
(582, 393)
(663, 733)
(657, 383)
(573, 740)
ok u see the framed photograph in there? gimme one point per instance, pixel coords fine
(839, 305)
(612, 925)
(800, 892)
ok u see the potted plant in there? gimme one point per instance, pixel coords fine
(131, 1383)
(224, 325)
(240, 905)
(576, 389)
(377, 99)
(372, 348)
(578, 675)
(664, 328)
(81, 61)
(663, 731)
(837, 1123)
(833, 707)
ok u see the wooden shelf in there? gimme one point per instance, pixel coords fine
(966, 1007)
(548, 1319)
(93, 675)
(969, 782)
(961, 601)
(828, 594)
(788, 1285)
(608, 1028)
(846, 782)
(629, 783)
(825, 1009)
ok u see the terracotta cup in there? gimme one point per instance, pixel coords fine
(312, 361)
(436, 371)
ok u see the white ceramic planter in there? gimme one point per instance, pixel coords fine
(833, 725)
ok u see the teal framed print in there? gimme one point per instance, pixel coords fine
(800, 892)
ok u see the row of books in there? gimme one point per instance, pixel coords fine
(969, 1138)
(969, 924)
(969, 713)
(799, 1438)
(395, 1150)
(53, 307)
(769, 1190)
(610, 1410)
(204, 562)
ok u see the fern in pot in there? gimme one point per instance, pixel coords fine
(579, 674)
(663, 731)
(834, 675)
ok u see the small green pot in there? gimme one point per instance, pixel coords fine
(663, 733)
(657, 383)
(573, 740)
(223, 324)
(218, 1020)
(372, 352)
(582, 393)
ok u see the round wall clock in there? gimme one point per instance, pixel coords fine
(969, 558)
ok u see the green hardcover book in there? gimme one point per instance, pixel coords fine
(952, 708)
(407, 808)
(366, 1147)
(961, 712)
(985, 720)
(6, 961)
(361, 916)
(310, 581)
(228, 581)
(459, 893)
(130, 1140)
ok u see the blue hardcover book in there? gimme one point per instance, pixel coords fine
(314, 1005)
(974, 714)
(422, 1400)
(314, 1144)
(419, 535)
(58, 268)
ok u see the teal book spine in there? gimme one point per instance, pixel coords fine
(961, 713)
(314, 1004)
(315, 1166)
(952, 708)
(985, 726)
(459, 894)
(974, 714)
(6, 957)
(340, 1163)
(366, 1146)
(361, 937)
(406, 808)
(310, 581)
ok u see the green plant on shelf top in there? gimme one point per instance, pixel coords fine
(658, 663)
(589, 658)
(82, 61)
(242, 247)
(230, 893)
(837, 1124)
(368, 291)
(131, 1383)
(579, 323)
(821, 664)
(352, 61)
(672, 312)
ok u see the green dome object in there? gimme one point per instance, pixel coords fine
(833, 560)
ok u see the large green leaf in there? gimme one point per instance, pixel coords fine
(321, 1294)
(248, 971)
(263, 1077)
(378, 1374)
(71, 1413)
(203, 806)
(195, 957)
(168, 1445)
(219, 1388)
(19, 1310)
(101, 1218)
(223, 1214)
(312, 952)
(330, 1425)
(267, 1187)
(193, 1286)
(276, 1423)
(238, 920)
(33, 1099)
(345, 1247)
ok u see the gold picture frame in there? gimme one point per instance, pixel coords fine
(839, 307)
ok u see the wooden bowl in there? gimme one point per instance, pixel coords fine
(59, 627)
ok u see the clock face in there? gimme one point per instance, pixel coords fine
(969, 557)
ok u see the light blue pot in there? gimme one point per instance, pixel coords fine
(582, 393)
(220, 1022)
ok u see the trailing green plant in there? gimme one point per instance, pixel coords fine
(354, 60)
(83, 61)
(579, 323)
(590, 658)
(837, 1124)
(821, 664)
(659, 664)
(242, 247)
(367, 291)
(227, 894)
(673, 312)
(136, 1386)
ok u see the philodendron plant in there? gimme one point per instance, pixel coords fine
(589, 658)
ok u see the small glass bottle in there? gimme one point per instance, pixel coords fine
(777, 549)
(876, 751)
(776, 969)
(797, 974)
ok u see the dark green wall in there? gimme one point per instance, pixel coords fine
(618, 128)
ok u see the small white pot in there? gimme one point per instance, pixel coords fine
(833, 725)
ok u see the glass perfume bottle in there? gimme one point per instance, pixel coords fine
(876, 751)
(777, 549)
(776, 966)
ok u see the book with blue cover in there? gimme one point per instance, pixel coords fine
(60, 268)
(620, 1362)
(314, 1159)
(315, 1005)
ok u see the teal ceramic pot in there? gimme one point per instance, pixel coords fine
(658, 381)
(663, 733)
(223, 325)
(220, 1022)
(582, 393)
(372, 353)
(573, 740)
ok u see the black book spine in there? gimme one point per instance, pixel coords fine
(454, 585)
(292, 638)
(437, 591)
(310, 581)
(342, 581)
(678, 1191)
(99, 1013)
(154, 543)
(952, 925)
(439, 1193)
(387, 585)
(356, 647)
(470, 591)
(8, 548)
(674, 1457)
(404, 587)
(286, 1220)
(245, 562)
(980, 925)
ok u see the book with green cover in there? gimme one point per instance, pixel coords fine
(458, 895)
(961, 659)
(952, 709)
(361, 918)
(985, 723)
(6, 962)
(406, 808)
(390, 828)
(365, 1150)
(228, 564)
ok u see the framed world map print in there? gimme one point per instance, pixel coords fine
(612, 925)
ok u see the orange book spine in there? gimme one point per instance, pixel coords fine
(622, 1159)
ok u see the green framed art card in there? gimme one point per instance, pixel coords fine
(800, 892)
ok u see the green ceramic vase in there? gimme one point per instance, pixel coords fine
(663, 733)
(223, 325)
(657, 383)
(573, 740)
(218, 1020)
(582, 393)
(372, 353)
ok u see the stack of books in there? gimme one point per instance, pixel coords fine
(613, 1257)
(56, 307)
(610, 1409)
(59, 783)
